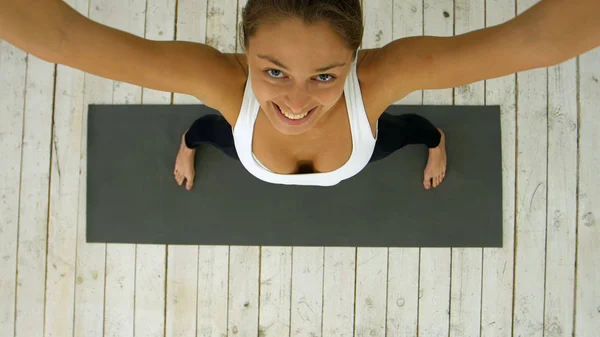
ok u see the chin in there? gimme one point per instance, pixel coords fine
(294, 131)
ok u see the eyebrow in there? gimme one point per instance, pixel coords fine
(279, 64)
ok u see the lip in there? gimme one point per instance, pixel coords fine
(292, 121)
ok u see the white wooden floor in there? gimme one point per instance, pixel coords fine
(544, 282)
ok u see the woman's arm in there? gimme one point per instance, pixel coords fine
(549, 33)
(53, 31)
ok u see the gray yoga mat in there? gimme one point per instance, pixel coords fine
(132, 196)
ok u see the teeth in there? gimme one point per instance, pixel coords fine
(294, 116)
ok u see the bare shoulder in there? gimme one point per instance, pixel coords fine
(230, 96)
(371, 71)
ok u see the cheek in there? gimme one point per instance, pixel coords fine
(264, 91)
(330, 96)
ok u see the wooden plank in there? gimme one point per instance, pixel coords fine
(562, 199)
(239, 47)
(190, 26)
(372, 263)
(150, 289)
(119, 287)
(160, 26)
(408, 21)
(339, 291)
(220, 25)
(434, 292)
(469, 15)
(275, 291)
(497, 287)
(307, 291)
(438, 20)
(13, 65)
(531, 199)
(33, 210)
(119, 290)
(182, 291)
(435, 264)
(150, 264)
(65, 179)
(587, 310)
(212, 291)
(465, 296)
(371, 292)
(403, 292)
(378, 24)
(243, 301)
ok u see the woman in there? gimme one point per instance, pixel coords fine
(303, 106)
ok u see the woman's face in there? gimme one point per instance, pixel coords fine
(298, 72)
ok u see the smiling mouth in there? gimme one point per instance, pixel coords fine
(292, 116)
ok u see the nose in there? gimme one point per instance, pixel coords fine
(298, 98)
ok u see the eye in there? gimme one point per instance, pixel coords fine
(274, 73)
(325, 78)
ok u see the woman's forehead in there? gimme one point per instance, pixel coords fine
(296, 32)
(289, 43)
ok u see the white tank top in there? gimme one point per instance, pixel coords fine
(363, 142)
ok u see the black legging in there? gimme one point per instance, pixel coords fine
(394, 133)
